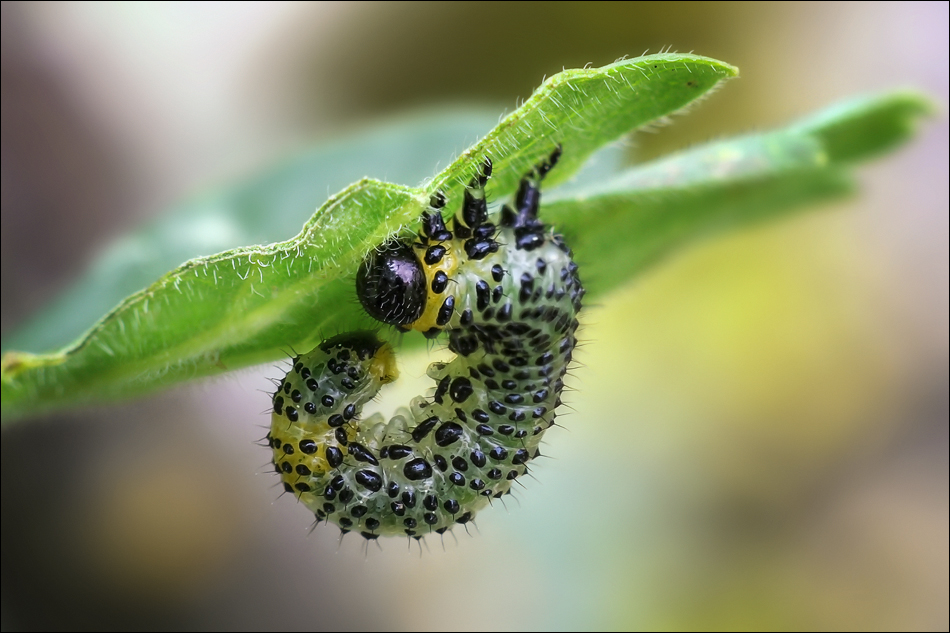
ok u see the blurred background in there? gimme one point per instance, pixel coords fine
(760, 422)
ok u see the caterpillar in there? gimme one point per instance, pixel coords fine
(508, 297)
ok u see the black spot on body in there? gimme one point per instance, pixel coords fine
(461, 389)
(424, 428)
(446, 311)
(448, 433)
(399, 451)
(417, 469)
(362, 454)
(369, 480)
(334, 456)
(434, 254)
(340, 435)
(439, 281)
(441, 389)
(478, 458)
(482, 295)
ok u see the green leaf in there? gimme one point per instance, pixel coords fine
(267, 208)
(250, 305)
(583, 110)
(867, 126)
(623, 224)
(619, 227)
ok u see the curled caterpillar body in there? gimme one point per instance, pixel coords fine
(508, 296)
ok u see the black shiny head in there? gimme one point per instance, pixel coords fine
(391, 284)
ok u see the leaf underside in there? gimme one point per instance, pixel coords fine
(250, 305)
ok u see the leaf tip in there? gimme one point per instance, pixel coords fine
(867, 126)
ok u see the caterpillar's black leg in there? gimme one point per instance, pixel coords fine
(547, 165)
(433, 227)
(474, 226)
(529, 231)
(475, 209)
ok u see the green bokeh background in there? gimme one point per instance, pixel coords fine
(758, 426)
